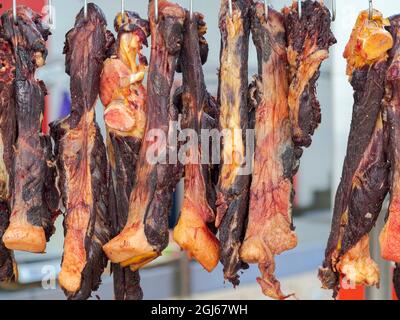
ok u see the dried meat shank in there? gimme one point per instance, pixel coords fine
(364, 183)
(270, 231)
(8, 135)
(233, 184)
(192, 232)
(124, 98)
(390, 235)
(82, 159)
(35, 198)
(145, 234)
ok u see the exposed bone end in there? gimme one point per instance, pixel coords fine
(192, 235)
(129, 247)
(390, 238)
(25, 238)
(369, 41)
(357, 266)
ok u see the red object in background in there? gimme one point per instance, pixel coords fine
(352, 294)
(36, 5)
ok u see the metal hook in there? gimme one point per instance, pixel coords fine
(266, 9)
(85, 10)
(230, 8)
(333, 10)
(370, 10)
(156, 10)
(191, 9)
(50, 11)
(14, 10)
(122, 11)
(299, 7)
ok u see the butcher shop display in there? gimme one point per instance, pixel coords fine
(160, 159)
(124, 98)
(365, 177)
(82, 159)
(199, 111)
(145, 234)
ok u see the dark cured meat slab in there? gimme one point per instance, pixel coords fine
(390, 235)
(270, 231)
(82, 159)
(192, 232)
(124, 98)
(364, 183)
(35, 199)
(233, 186)
(8, 134)
(145, 235)
(308, 40)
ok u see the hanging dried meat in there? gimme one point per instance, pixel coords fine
(124, 97)
(308, 40)
(233, 184)
(8, 134)
(35, 198)
(270, 230)
(82, 159)
(390, 235)
(192, 232)
(364, 183)
(146, 234)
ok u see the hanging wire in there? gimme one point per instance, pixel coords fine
(230, 8)
(85, 10)
(191, 9)
(50, 11)
(370, 10)
(299, 7)
(14, 10)
(122, 11)
(156, 10)
(333, 10)
(266, 9)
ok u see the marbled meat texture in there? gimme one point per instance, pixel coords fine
(35, 198)
(145, 234)
(234, 182)
(192, 232)
(270, 230)
(124, 98)
(308, 40)
(82, 159)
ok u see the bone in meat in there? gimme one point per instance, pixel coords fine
(35, 198)
(192, 232)
(124, 98)
(82, 159)
(233, 184)
(270, 230)
(8, 134)
(364, 183)
(145, 234)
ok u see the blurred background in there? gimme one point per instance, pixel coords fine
(173, 276)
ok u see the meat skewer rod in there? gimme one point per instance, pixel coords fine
(82, 158)
(124, 98)
(364, 183)
(270, 230)
(234, 181)
(145, 234)
(35, 198)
